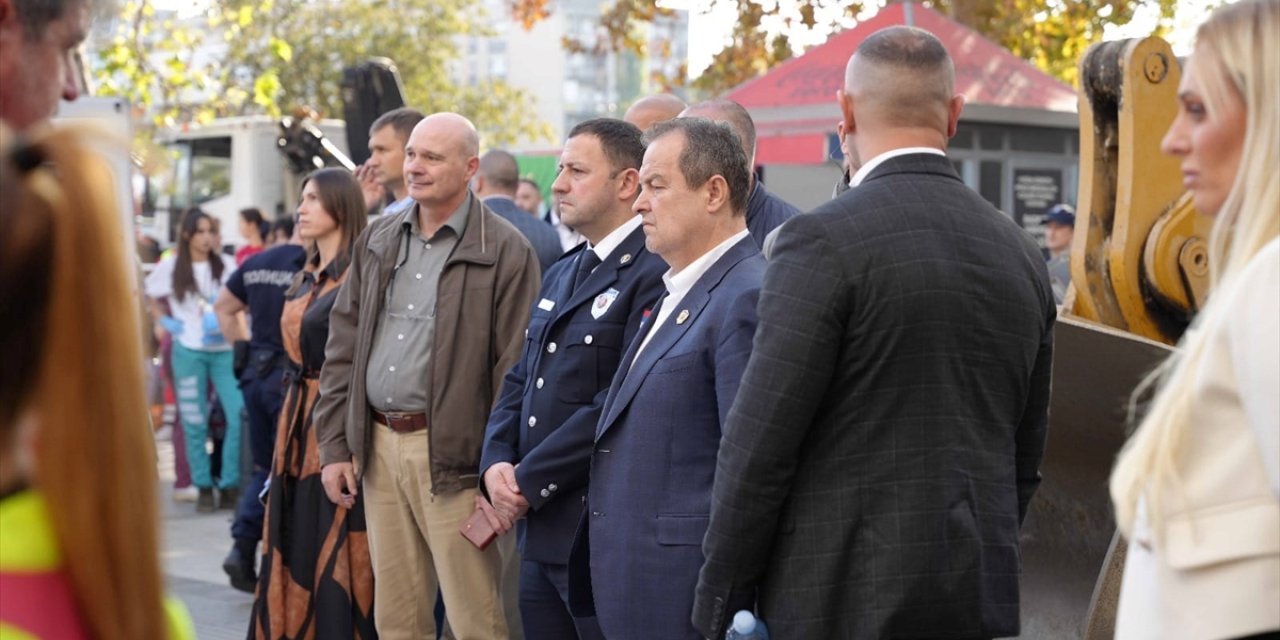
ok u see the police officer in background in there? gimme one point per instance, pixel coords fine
(539, 439)
(1059, 227)
(257, 288)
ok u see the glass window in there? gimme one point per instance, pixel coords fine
(991, 182)
(210, 169)
(991, 138)
(1039, 140)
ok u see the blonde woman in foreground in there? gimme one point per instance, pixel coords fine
(79, 531)
(1197, 487)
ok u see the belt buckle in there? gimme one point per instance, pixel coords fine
(397, 421)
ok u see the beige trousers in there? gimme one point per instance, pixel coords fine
(415, 546)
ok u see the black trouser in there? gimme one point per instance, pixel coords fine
(263, 387)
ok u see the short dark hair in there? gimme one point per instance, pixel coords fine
(904, 46)
(35, 15)
(500, 170)
(620, 140)
(736, 116)
(710, 149)
(403, 119)
(283, 225)
(533, 183)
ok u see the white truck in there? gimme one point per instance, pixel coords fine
(232, 164)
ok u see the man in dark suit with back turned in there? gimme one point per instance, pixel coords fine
(495, 183)
(655, 447)
(537, 451)
(886, 441)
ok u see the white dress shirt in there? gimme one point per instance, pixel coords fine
(615, 238)
(679, 284)
(867, 168)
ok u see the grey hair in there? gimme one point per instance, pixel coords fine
(710, 149)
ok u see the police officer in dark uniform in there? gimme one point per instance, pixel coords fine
(540, 435)
(257, 287)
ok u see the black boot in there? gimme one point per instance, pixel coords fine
(240, 566)
(204, 503)
(228, 499)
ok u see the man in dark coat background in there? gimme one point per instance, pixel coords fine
(495, 183)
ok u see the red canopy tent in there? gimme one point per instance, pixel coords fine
(794, 104)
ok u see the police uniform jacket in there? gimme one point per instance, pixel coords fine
(551, 400)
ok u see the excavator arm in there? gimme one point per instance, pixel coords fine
(1139, 271)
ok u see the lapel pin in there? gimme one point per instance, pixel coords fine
(626, 257)
(684, 315)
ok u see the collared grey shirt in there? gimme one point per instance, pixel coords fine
(399, 375)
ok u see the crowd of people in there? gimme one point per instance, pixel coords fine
(670, 399)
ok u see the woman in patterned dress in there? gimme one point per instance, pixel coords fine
(316, 579)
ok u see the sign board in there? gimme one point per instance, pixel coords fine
(1034, 191)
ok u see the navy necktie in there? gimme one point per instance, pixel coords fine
(586, 263)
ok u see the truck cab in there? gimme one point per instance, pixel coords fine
(223, 167)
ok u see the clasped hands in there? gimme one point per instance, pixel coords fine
(508, 505)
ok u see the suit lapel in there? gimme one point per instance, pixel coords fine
(609, 271)
(633, 369)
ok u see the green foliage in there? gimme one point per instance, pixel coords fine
(278, 56)
(1052, 34)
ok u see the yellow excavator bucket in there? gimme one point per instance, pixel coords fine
(1139, 271)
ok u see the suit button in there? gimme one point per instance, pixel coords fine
(544, 493)
(551, 348)
(532, 421)
(598, 514)
(552, 487)
(539, 383)
(587, 339)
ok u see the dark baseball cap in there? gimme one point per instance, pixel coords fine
(1063, 214)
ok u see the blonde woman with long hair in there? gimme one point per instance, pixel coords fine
(1197, 487)
(79, 553)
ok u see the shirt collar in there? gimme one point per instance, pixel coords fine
(880, 159)
(680, 283)
(615, 238)
(457, 220)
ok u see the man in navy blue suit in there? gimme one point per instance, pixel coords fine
(538, 443)
(495, 183)
(655, 453)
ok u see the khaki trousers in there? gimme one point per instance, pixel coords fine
(415, 547)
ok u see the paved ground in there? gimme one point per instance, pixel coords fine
(194, 545)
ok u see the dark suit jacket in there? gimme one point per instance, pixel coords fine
(542, 238)
(887, 438)
(766, 212)
(655, 454)
(551, 400)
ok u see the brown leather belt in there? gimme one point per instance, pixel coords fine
(401, 422)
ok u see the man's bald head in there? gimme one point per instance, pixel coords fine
(456, 127)
(901, 77)
(650, 110)
(439, 162)
(732, 114)
(500, 172)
